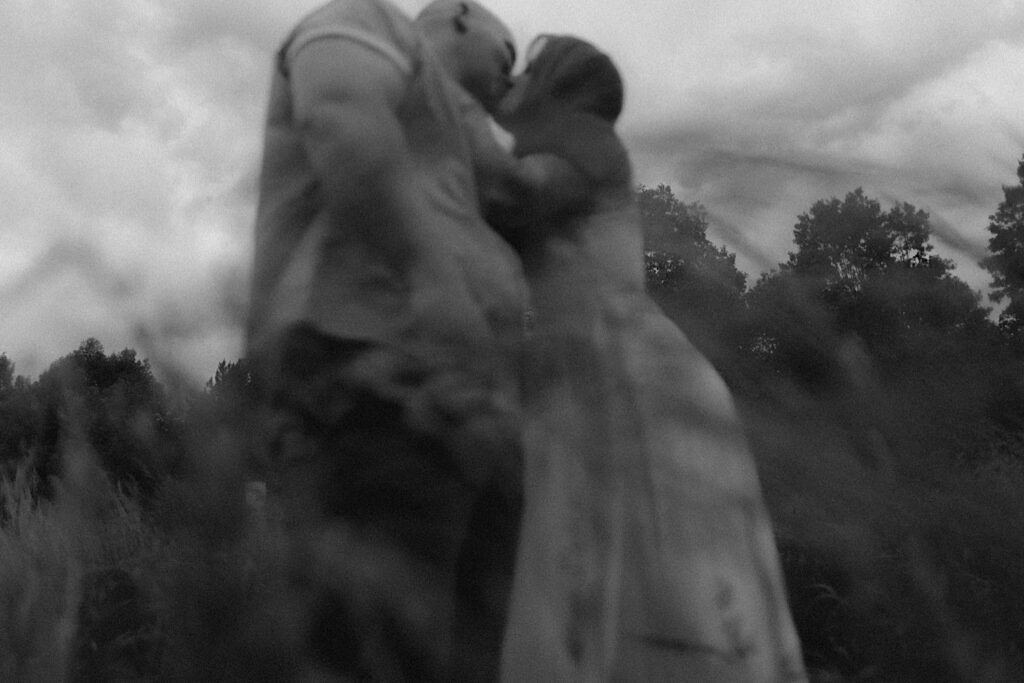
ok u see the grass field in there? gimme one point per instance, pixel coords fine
(901, 565)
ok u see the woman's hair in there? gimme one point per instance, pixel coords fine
(570, 73)
(572, 99)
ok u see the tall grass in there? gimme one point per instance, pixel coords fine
(39, 586)
(897, 570)
(227, 613)
(101, 584)
(904, 558)
(54, 555)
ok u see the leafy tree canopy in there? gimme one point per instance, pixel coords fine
(115, 403)
(845, 241)
(695, 282)
(232, 381)
(675, 239)
(862, 271)
(1006, 262)
(6, 373)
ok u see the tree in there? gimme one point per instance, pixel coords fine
(228, 408)
(848, 240)
(865, 318)
(788, 332)
(233, 382)
(862, 271)
(6, 374)
(114, 403)
(19, 423)
(695, 282)
(1006, 262)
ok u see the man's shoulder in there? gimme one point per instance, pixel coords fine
(367, 11)
(378, 18)
(374, 24)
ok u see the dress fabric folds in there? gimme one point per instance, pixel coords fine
(646, 552)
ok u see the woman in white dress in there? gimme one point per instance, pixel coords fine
(646, 552)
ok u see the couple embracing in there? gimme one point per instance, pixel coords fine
(468, 496)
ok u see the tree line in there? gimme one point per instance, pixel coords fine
(883, 402)
(863, 307)
(113, 406)
(863, 320)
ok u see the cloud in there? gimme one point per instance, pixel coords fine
(786, 62)
(132, 137)
(129, 158)
(758, 109)
(943, 134)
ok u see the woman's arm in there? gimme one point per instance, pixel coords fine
(520, 196)
(541, 188)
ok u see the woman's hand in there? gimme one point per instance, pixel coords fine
(541, 191)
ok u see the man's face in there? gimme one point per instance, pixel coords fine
(489, 56)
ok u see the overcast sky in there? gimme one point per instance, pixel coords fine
(131, 136)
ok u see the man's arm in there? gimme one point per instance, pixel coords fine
(345, 98)
(346, 95)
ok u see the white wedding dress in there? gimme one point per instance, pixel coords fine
(646, 552)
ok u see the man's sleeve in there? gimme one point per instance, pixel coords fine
(369, 25)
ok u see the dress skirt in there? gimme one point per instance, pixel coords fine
(646, 552)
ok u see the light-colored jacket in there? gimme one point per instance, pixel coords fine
(309, 269)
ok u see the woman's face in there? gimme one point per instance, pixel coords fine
(564, 72)
(520, 83)
(514, 97)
